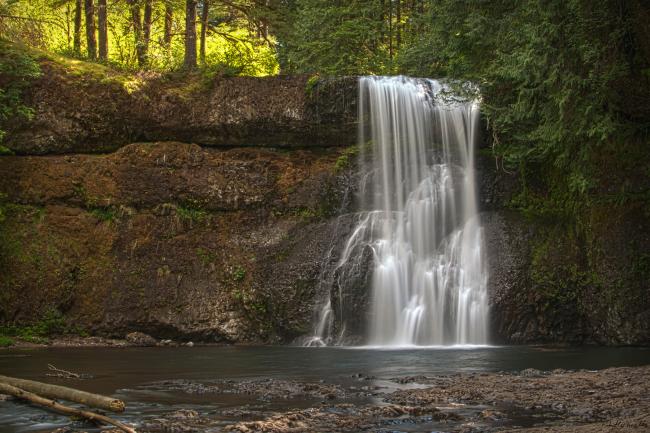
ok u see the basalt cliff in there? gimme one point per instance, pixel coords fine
(206, 210)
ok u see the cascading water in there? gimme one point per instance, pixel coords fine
(419, 217)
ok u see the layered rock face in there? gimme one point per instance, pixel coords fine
(114, 220)
(169, 238)
(85, 113)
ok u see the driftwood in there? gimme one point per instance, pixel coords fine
(64, 374)
(57, 407)
(65, 393)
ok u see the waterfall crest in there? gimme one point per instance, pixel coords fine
(418, 217)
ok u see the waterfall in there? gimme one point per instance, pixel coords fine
(418, 216)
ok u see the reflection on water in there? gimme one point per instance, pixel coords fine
(124, 372)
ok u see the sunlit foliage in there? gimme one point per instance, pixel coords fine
(232, 43)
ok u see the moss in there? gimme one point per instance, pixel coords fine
(191, 213)
(205, 256)
(106, 214)
(51, 324)
(48, 263)
(282, 255)
(18, 68)
(312, 82)
(306, 213)
(255, 307)
(344, 161)
(89, 202)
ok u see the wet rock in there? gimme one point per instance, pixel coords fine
(184, 414)
(586, 414)
(140, 339)
(558, 407)
(410, 379)
(492, 415)
(531, 372)
(262, 389)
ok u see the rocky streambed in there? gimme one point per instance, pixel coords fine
(615, 399)
(295, 389)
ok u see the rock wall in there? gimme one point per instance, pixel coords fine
(81, 113)
(168, 238)
(225, 239)
(569, 281)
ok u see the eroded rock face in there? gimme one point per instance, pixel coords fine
(84, 113)
(169, 239)
(551, 281)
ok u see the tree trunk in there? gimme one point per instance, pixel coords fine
(102, 27)
(204, 27)
(148, 6)
(91, 42)
(68, 13)
(390, 29)
(77, 28)
(190, 34)
(169, 17)
(382, 19)
(56, 407)
(65, 393)
(398, 24)
(137, 32)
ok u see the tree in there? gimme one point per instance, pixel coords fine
(102, 27)
(340, 38)
(77, 28)
(91, 42)
(190, 34)
(146, 25)
(169, 20)
(136, 25)
(561, 81)
(204, 25)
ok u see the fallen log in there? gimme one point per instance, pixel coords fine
(65, 410)
(65, 393)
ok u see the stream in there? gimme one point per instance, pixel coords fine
(155, 381)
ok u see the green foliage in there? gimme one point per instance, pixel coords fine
(233, 40)
(17, 70)
(6, 341)
(238, 273)
(52, 323)
(561, 82)
(337, 38)
(234, 53)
